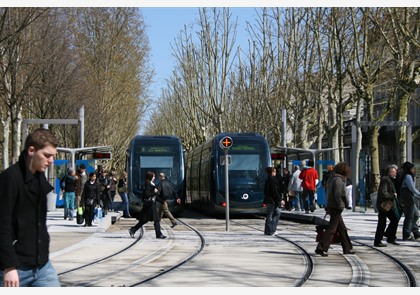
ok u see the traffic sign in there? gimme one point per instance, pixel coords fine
(226, 142)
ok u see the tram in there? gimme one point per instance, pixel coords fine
(156, 154)
(205, 175)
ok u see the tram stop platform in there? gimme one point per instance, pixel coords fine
(359, 218)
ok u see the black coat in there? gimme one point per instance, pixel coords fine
(149, 211)
(271, 193)
(166, 190)
(386, 191)
(91, 194)
(24, 238)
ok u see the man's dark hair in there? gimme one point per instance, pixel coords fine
(40, 138)
(311, 163)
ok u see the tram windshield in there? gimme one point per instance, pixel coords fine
(157, 159)
(246, 170)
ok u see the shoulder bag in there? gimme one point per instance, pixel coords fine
(387, 205)
(406, 197)
(320, 232)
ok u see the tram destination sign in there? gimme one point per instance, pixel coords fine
(155, 149)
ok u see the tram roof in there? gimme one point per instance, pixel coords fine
(293, 150)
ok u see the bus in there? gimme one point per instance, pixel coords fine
(156, 154)
(205, 175)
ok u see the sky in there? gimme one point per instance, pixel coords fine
(163, 26)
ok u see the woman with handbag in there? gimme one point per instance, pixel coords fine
(151, 207)
(336, 202)
(408, 194)
(386, 203)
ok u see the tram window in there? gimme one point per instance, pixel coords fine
(154, 162)
(245, 162)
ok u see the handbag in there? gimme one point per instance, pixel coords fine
(79, 217)
(320, 232)
(406, 197)
(387, 205)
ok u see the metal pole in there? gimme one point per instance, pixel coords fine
(283, 129)
(353, 164)
(227, 188)
(82, 126)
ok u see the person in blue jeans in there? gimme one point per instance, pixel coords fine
(69, 187)
(273, 201)
(24, 238)
(296, 189)
(122, 191)
(411, 213)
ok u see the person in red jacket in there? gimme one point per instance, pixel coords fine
(309, 177)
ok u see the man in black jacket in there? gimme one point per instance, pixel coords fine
(24, 238)
(167, 191)
(272, 199)
(387, 192)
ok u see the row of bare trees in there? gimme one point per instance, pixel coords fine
(53, 61)
(317, 63)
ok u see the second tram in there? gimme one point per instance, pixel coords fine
(156, 154)
(205, 175)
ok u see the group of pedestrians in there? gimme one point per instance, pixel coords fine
(298, 188)
(155, 204)
(89, 191)
(397, 196)
(305, 182)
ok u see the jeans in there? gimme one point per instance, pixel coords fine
(125, 204)
(272, 219)
(69, 205)
(410, 227)
(308, 195)
(298, 200)
(111, 199)
(42, 276)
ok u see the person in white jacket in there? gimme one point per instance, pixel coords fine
(295, 188)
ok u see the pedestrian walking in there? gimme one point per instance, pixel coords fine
(151, 207)
(122, 191)
(113, 181)
(273, 201)
(408, 195)
(309, 177)
(82, 177)
(24, 238)
(387, 209)
(167, 191)
(336, 202)
(295, 188)
(69, 186)
(90, 198)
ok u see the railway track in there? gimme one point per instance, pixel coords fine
(199, 252)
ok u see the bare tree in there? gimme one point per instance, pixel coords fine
(201, 78)
(368, 61)
(400, 30)
(17, 73)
